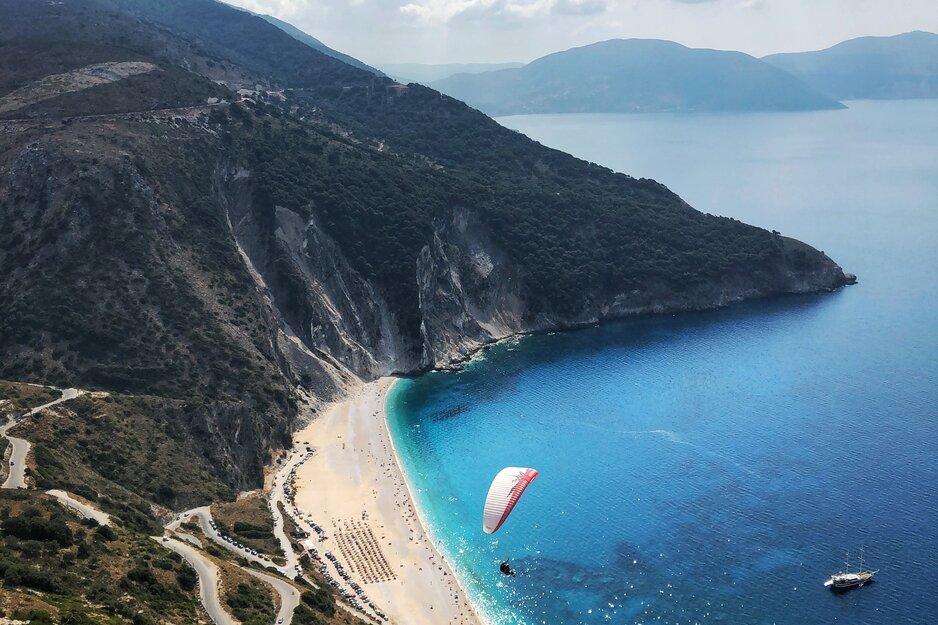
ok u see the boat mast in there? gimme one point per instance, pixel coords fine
(861, 559)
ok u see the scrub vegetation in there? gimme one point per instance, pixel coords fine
(251, 603)
(120, 449)
(249, 520)
(56, 568)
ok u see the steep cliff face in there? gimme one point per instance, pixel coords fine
(336, 327)
(337, 318)
(470, 292)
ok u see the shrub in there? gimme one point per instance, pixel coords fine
(34, 617)
(30, 525)
(105, 533)
(320, 600)
(142, 574)
(304, 615)
(251, 604)
(186, 579)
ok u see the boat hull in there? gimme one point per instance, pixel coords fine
(841, 582)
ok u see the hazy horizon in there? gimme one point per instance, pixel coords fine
(502, 31)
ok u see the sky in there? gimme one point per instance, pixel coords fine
(494, 31)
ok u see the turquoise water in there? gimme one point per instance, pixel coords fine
(714, 467)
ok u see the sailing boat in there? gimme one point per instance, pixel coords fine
(850, 579)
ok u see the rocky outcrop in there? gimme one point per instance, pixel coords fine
(470, 294)
(338, 329)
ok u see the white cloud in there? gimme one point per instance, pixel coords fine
(443, 31)
(280, 8)
(445, 10)
(579, 7)
(442, 11)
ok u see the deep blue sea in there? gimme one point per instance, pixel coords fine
(714, 467)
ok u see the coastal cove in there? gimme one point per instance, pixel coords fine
(714, 466)
(633, 333)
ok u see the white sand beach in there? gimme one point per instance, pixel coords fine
(353, 487)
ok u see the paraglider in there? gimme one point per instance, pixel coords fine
(504, 493)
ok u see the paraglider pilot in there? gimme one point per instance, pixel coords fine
(504, 492)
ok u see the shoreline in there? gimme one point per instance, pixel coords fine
(355, 488)
(478, 613)
(459, 363)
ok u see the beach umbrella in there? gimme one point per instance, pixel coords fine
(504, 493)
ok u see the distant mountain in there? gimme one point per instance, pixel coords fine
(312, 42)
(636, 76)
(872, 68)
(426, 73)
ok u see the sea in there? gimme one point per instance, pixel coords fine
(715, 467)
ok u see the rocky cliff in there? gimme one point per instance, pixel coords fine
(470, 292)
(340, 328)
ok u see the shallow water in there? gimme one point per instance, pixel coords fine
(714, 467)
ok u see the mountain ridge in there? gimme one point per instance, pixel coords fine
(635, 75)
(311, 41)
(893, 67)
(426, 73)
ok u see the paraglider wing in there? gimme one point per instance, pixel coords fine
(504, 493)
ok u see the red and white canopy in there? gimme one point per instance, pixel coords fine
(504, 493)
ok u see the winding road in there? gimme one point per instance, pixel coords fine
(289, 595)
(19, 448)
(206, 570)
(208, 580)
(83, 509)
(204, 516)
(67, 394)
(276, 497)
